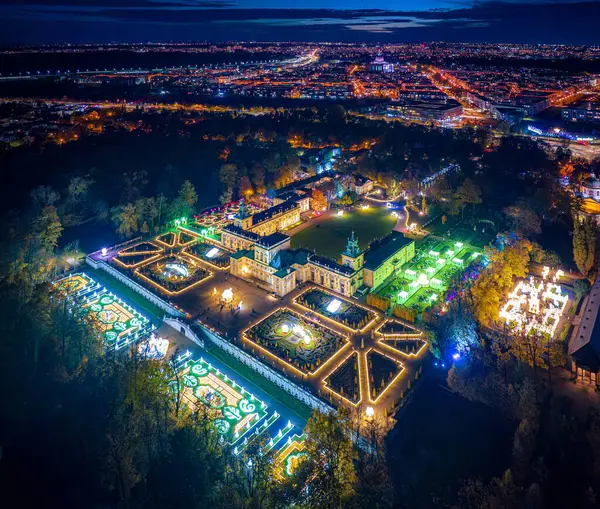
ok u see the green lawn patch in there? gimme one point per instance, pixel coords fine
(126, 293)
(329, 236)
(278, 394)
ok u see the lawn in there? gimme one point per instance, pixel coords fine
(125, 292)
(328, 237)
(295, 406)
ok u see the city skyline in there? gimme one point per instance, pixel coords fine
(102, 21)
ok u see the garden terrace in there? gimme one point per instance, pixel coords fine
(172, 275)
(209, 253)
(236, 413)
(120, 324)
(383, 371)
(337, 309)
(290, 456)
(344, 380)
(296, 342)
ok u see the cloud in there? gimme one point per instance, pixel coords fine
(492, 20)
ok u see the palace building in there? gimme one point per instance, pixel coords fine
(268, 260)
(386, 257)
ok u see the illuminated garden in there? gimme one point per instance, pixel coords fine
(383, 370)
(290, 456)
(172, 275)
(536, 305)
(120, 324)
(336, 308)
(236, 413)
(209, 253)
(138, 254)
(295, 341)
(401, 337)
(344, 380)
(424, 281)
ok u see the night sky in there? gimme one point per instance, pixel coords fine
(529, 21)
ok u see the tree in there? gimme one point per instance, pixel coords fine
(44, 196)
(48, 228)
(228, 175)
(584, 244)
(257, 174)
(330, 460)
(529, 348)
(126, 219)
(187, 193)
(318, 201)
(245, 187)
(468, 193)
(524, 220)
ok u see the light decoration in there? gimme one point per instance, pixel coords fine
(403, 294)
(365, 207)
(334, 305)
(394, 214)
(374, 314)
(433, 297)
(369, 412)
(285, 328)
(434, 254)
(236, 411)
(154, 348)
(535, 305)
(440, 261)
(430, 270)
(120, 324)
(227, 295)
(449, 253)
(410, 272)
(245, 335)
(212, 252)
(340, 213)
(104, 251)
(459, 245)
(423, 281)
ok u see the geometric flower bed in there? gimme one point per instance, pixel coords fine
(405, 346)
(336, 309)
(383, 371)
(209, 253)
(406, 339)
(120, 323)
(396, 329)
(168, 239)
(74, 283)
(172, 274)
(289, 457)
(235, 411)
(138, 254)
(344, 381)
(296, 341)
